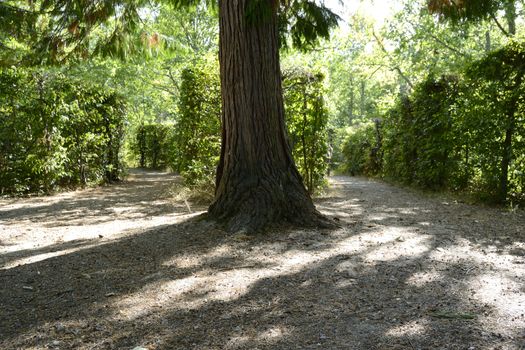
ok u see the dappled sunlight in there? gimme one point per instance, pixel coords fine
(423, 278)
(409, 329)
(503, 294)
(227, 284)
(345, 209)
(388, 278)
(382, 216)
(267, 337)
(406, 246)
(188, 260)
(81, 237)
(39, 257)
(39, 228)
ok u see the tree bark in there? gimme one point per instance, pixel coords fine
(257, 181)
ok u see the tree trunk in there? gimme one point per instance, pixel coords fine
(510, 15)
(488, 45)
(363, 98)
(352, 102)
(257, 181)
(505, 160)
(507, 142)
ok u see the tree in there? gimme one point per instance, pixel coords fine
(475, 10)
(501, 74)
(257, 182)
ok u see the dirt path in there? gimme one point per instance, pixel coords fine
(125, 266)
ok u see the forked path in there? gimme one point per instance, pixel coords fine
(124, 266)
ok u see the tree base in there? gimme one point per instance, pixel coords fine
(253, 209)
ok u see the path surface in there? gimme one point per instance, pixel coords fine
(124, 266)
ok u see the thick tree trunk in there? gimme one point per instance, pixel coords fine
(257, 182)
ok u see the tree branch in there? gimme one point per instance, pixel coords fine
(396, 68)
(451, 48)
(499, 24)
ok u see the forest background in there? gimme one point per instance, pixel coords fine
(398, 94)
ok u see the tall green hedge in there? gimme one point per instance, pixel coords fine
(418, 134)
(197, 136)
(362, 149)
(463, 133)
(56, 131)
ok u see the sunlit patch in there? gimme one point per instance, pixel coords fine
(76, 238)
(274, 332)
(344, 209)
(269, 336)
(188, 261)
(39, 257)
(412, 328)
(420, 279)
(463, 251)
(407, 245)
(194, 291)
(346, 283)
(382, 217)
(210, 284)
(449, 254)
(500, 292)
(185, 261)
(409, 211)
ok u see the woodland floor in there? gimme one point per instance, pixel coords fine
(126, 266)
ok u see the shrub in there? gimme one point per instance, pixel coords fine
(306, 121)
(56, 131)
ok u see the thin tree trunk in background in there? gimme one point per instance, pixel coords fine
(505, 161)
(363, 98)
(507, 143)
(257, 181)
(510, 16)
(303, 141)
(352, 102)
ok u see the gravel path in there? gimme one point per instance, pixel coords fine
(123, 266)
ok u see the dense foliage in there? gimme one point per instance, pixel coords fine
(418, 135)
(56, 131)
(306, 120)
(197, 136)
(152, 145)
(493, 113)
(432, 96)
(459, 134)
(362, 149)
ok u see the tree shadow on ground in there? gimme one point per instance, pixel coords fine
(403, 276)
(142, 197)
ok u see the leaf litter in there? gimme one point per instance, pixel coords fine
(130, 267)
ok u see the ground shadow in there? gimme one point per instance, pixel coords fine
(404, 274)
(143, 195)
